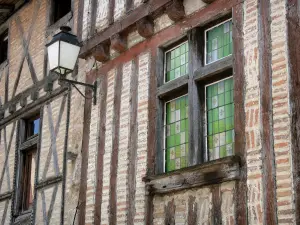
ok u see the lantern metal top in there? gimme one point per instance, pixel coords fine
(66, 36)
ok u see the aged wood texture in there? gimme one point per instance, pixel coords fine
(84, 155)
(111, 8)
(170, 213)
(4, 212)
(145, 27)
(216, 205)
(53, 132)
(7, 149)
(101, 149)
(101, 52)
(32, 106)
(239, 115)
(152, 143)
(64, 170)
(94, 4)
(196, 149)
(26, 48)
(129, 5)
(203, 16)
(265, 83)
(132, 143)
(293, 29)
(115, 147)
(175, 10)
(118, 43)
(80, 19)
(130, 20)
(212, 172)
(192, 210)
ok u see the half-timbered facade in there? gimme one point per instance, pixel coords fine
(40, 129)
(196, 119)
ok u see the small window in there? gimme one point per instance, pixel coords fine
(3, 47)
(220, 118)
(27, 179)
(218, 42)
(60, 9)
(176, 133)
(32, 127)
(176, 62)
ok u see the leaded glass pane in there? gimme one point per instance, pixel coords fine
(220, 119)
(177, 126)
(177, 62)
(219, 42)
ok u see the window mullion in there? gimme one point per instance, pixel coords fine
(196, 149)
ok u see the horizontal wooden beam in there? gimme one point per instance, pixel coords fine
(49, 181)
(5, 196)
(6, 8)
(213, 172)
(136, 15)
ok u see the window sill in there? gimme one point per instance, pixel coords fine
(213, 172)
(61, 22)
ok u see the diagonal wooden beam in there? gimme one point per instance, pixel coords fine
(25, 49)
(62, 107)
(34, 18)
(5, 212)
(6, 157)
(50, 210)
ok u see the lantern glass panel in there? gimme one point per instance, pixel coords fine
(68, 55)
(53, 53)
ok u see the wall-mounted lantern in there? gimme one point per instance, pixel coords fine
(63, 51)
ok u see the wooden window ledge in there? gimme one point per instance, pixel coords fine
(212, 172)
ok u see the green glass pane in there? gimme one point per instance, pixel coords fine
(215, 114)
(172, 129)
(228, 110)
(222, 126)
(216, 39)
(177, 62)
(208, 103)
(183, 162)
(214, 89)
(209, 129)
(182, 49)
(171, 165)
(172, 54)
(229, 123)
(223, 151)
(216, 127)
(182, 70)
(177, 52)
(182, 125)
(221, 99)
(228, 97)
(229, 136)
(177, 152)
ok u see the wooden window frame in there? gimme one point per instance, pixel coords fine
(53, 12)
(193, 84)
(26, 145)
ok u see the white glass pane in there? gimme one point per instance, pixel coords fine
(53, 55)
(68, 55)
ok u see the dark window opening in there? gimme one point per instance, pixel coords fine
(3, 46)
(60, 9)
(32, 127)
(27, 179)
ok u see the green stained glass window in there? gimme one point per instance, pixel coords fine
(177, 126)
(219, 42)
(177, 62)
(220, 119)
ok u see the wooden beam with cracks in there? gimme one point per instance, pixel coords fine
(101, 52)
(145, 27)
(175, 10)
(118, 43)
